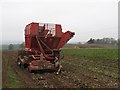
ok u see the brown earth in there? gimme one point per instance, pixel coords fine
(72, 76)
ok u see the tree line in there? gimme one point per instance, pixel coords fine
(102, 41)
(16, 46)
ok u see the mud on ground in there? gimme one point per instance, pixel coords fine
(73, 75)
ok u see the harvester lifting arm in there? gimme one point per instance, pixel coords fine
(41, 49)
(45, 45)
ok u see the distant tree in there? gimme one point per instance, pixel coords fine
(91, 41)
(113, 41)
(21, 46)
(98, 41)
(79, 43)
(11, 47)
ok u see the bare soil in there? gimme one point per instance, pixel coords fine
(72, 76)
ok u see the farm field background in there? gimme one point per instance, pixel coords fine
(82, 68)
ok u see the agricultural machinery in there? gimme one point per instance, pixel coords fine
(42, 46)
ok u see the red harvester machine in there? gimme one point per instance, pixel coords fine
(42, 46)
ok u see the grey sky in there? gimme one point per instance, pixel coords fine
(87, 18)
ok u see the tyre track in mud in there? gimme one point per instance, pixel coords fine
(32, 80)
(71, 77)
(90, 78)
(23, 76)
(77, 80)
(111, 65)
(51, 80)
(91, 66)
(89, 69)
(4, 73)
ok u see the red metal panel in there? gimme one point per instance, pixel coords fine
(34, 44)
(27, 29)
(53, 42)
(58, 32)
(31, 30)
(27, 41)
(34, 29)
(65, 37)
(49, 41)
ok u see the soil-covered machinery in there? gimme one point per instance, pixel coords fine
(42, 46)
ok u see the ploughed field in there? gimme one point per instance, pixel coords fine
(82, 68)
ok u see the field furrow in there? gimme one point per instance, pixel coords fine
(80, 70)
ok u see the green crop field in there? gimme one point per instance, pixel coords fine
(99, 53)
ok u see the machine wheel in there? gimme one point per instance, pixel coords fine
(22, 66)
(25, 66)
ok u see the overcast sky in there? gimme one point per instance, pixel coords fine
(87, 18)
